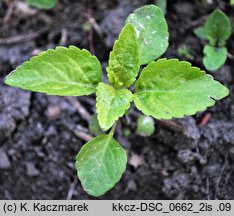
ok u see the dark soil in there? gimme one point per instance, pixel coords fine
(184, 159)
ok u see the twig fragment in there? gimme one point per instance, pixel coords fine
(81, 133)
(171, 125)
(80, 108)
(205, 119)
(71, 190)
(8, 13)
(22, 38)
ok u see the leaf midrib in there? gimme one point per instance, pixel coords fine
(104, 150)
(68, 82)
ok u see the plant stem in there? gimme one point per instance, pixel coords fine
(113, 129)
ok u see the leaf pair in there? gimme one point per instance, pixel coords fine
(112, 101)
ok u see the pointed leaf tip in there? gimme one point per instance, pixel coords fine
(63, 71)
(123, 64)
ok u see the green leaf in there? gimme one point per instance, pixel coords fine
(145, 126)
(214, 57)
(124, 59)
(232, 2)
(42, 4)
(217, 28)
(100, 164)
(200, 32)
(172, 88)
(152, 32)
(63, 71)
(111, 104)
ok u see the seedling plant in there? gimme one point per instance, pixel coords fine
(183, 52)
(217, 30)
(166, 88)
(42, 4)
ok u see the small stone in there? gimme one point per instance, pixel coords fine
(31, 170)
(195, 188)
(53, 112)
(132, 185)
(4, 161)
(135, 160)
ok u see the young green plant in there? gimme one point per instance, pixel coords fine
(42, 4)
(165, 89)
(183, 52)
(217, 30)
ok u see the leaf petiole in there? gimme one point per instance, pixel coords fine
(112, 131)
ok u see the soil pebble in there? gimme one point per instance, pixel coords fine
(4, 160)
(31, 170)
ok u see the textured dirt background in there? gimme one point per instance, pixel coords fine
(40, 135)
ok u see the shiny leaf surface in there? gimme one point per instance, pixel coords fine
(42, 4)
(172, 88)
(214, 57)
(217, 28)
(63, 71)
(124, 59)
(111, 104)
(152, 32)
(100, 164)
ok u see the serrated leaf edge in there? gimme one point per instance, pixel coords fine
(108, 69)
(117, 179)
(116, 118)
(185, 114)
(86, 52)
